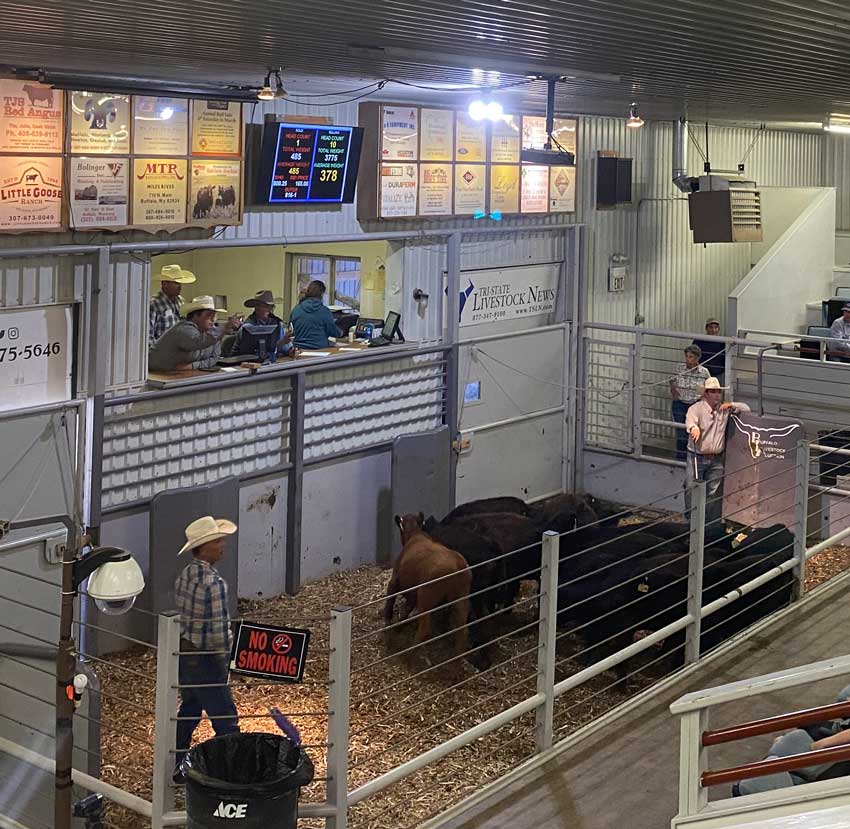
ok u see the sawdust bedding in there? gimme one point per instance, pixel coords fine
(399, 707)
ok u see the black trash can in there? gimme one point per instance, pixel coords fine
(245, 781)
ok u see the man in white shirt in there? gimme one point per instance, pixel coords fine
(840, 332)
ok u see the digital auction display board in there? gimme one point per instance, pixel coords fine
(309, 164)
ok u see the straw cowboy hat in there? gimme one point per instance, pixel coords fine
(262, 298)
(201, 303)
(206, 529)
(713, 384)
(174, 273)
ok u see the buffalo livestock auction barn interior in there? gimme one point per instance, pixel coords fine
(424, 416)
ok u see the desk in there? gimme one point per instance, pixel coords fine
(193, 377)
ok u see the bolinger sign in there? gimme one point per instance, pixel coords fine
(274, 653)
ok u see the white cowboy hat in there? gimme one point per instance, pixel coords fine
(713, 384)
(206, 529)
(201, 303)
(174, 273)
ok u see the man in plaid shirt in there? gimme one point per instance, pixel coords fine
(200, 595)
(165, 306)
(686, 389)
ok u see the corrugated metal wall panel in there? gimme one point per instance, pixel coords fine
(837, 166)
(37, 281)
(127, 364)
(675, 283)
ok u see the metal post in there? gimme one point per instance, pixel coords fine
(729, 367)
(637, 437)
(65, 668)
(339, 696)
(165, 727)
(693, 798)
(695, 568)
(547, 638)
(295, 484)
(452, 335)
(801, 517)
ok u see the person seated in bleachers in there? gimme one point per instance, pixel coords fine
(263, 314)
(839, 346)
(799, 741)
(713, 352)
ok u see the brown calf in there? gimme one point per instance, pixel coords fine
(423, 560)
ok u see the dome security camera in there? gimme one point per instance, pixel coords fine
(115, 584)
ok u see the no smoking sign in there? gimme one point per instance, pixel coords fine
(274, 653)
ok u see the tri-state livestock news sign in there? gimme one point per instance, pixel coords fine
(274, 653)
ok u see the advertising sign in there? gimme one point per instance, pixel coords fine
(562, 189)
(216, 128)
(435, 189)
(160, 125)
(100, 124)
(398, 190)
(761, 459)
(30, 118)
(159, 191)
(470, 139)
(30, 193)
(534, 188)
(470, 191)
(504, 188)
(507, 293)
(504, 140)
(399, 133)
(437, 141)
(35, 356)
(215, 193)
(278, 654)
(100, 190)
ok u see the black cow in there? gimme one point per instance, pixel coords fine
(484, 506)
(203, 203)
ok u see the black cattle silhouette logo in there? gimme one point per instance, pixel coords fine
(762, 439)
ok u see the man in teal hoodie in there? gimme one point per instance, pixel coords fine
(312, 322)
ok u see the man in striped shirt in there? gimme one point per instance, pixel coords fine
(165, 306)
(200, 595)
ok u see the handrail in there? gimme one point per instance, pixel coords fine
(679, 335)
(777, 681)
(768, 725)
(780, 764)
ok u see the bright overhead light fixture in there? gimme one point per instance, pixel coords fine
(634, 121)
(490, 110)
(266, 92)
(838, 123)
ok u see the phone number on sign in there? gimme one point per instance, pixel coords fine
(28, 352)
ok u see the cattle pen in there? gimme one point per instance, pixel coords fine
(618, 598)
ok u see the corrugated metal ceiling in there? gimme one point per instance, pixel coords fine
(772, 60)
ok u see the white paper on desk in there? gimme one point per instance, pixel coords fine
(315, 354)
(229, 368)
(343, 348)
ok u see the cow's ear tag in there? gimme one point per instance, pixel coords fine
(738, 540)
(643, 587)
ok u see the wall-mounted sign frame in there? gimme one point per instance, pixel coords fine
(479, 171)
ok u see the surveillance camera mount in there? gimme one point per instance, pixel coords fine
(85, 566)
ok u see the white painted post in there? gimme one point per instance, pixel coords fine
(637, 403)
(693, 798)
(339, 697)
(695, 568)
(547, 638)
(801, 517)
(165, 726)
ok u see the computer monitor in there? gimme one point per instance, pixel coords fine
(391, 325)
(259, 340)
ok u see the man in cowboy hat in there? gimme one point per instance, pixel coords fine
(200, 596)
(165, 306)
(194, 342)
(705, 424)
(263, 305)
(713, 351)
(839, 346)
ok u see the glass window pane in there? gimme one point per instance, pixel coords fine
(347, 283)
(308, 268)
